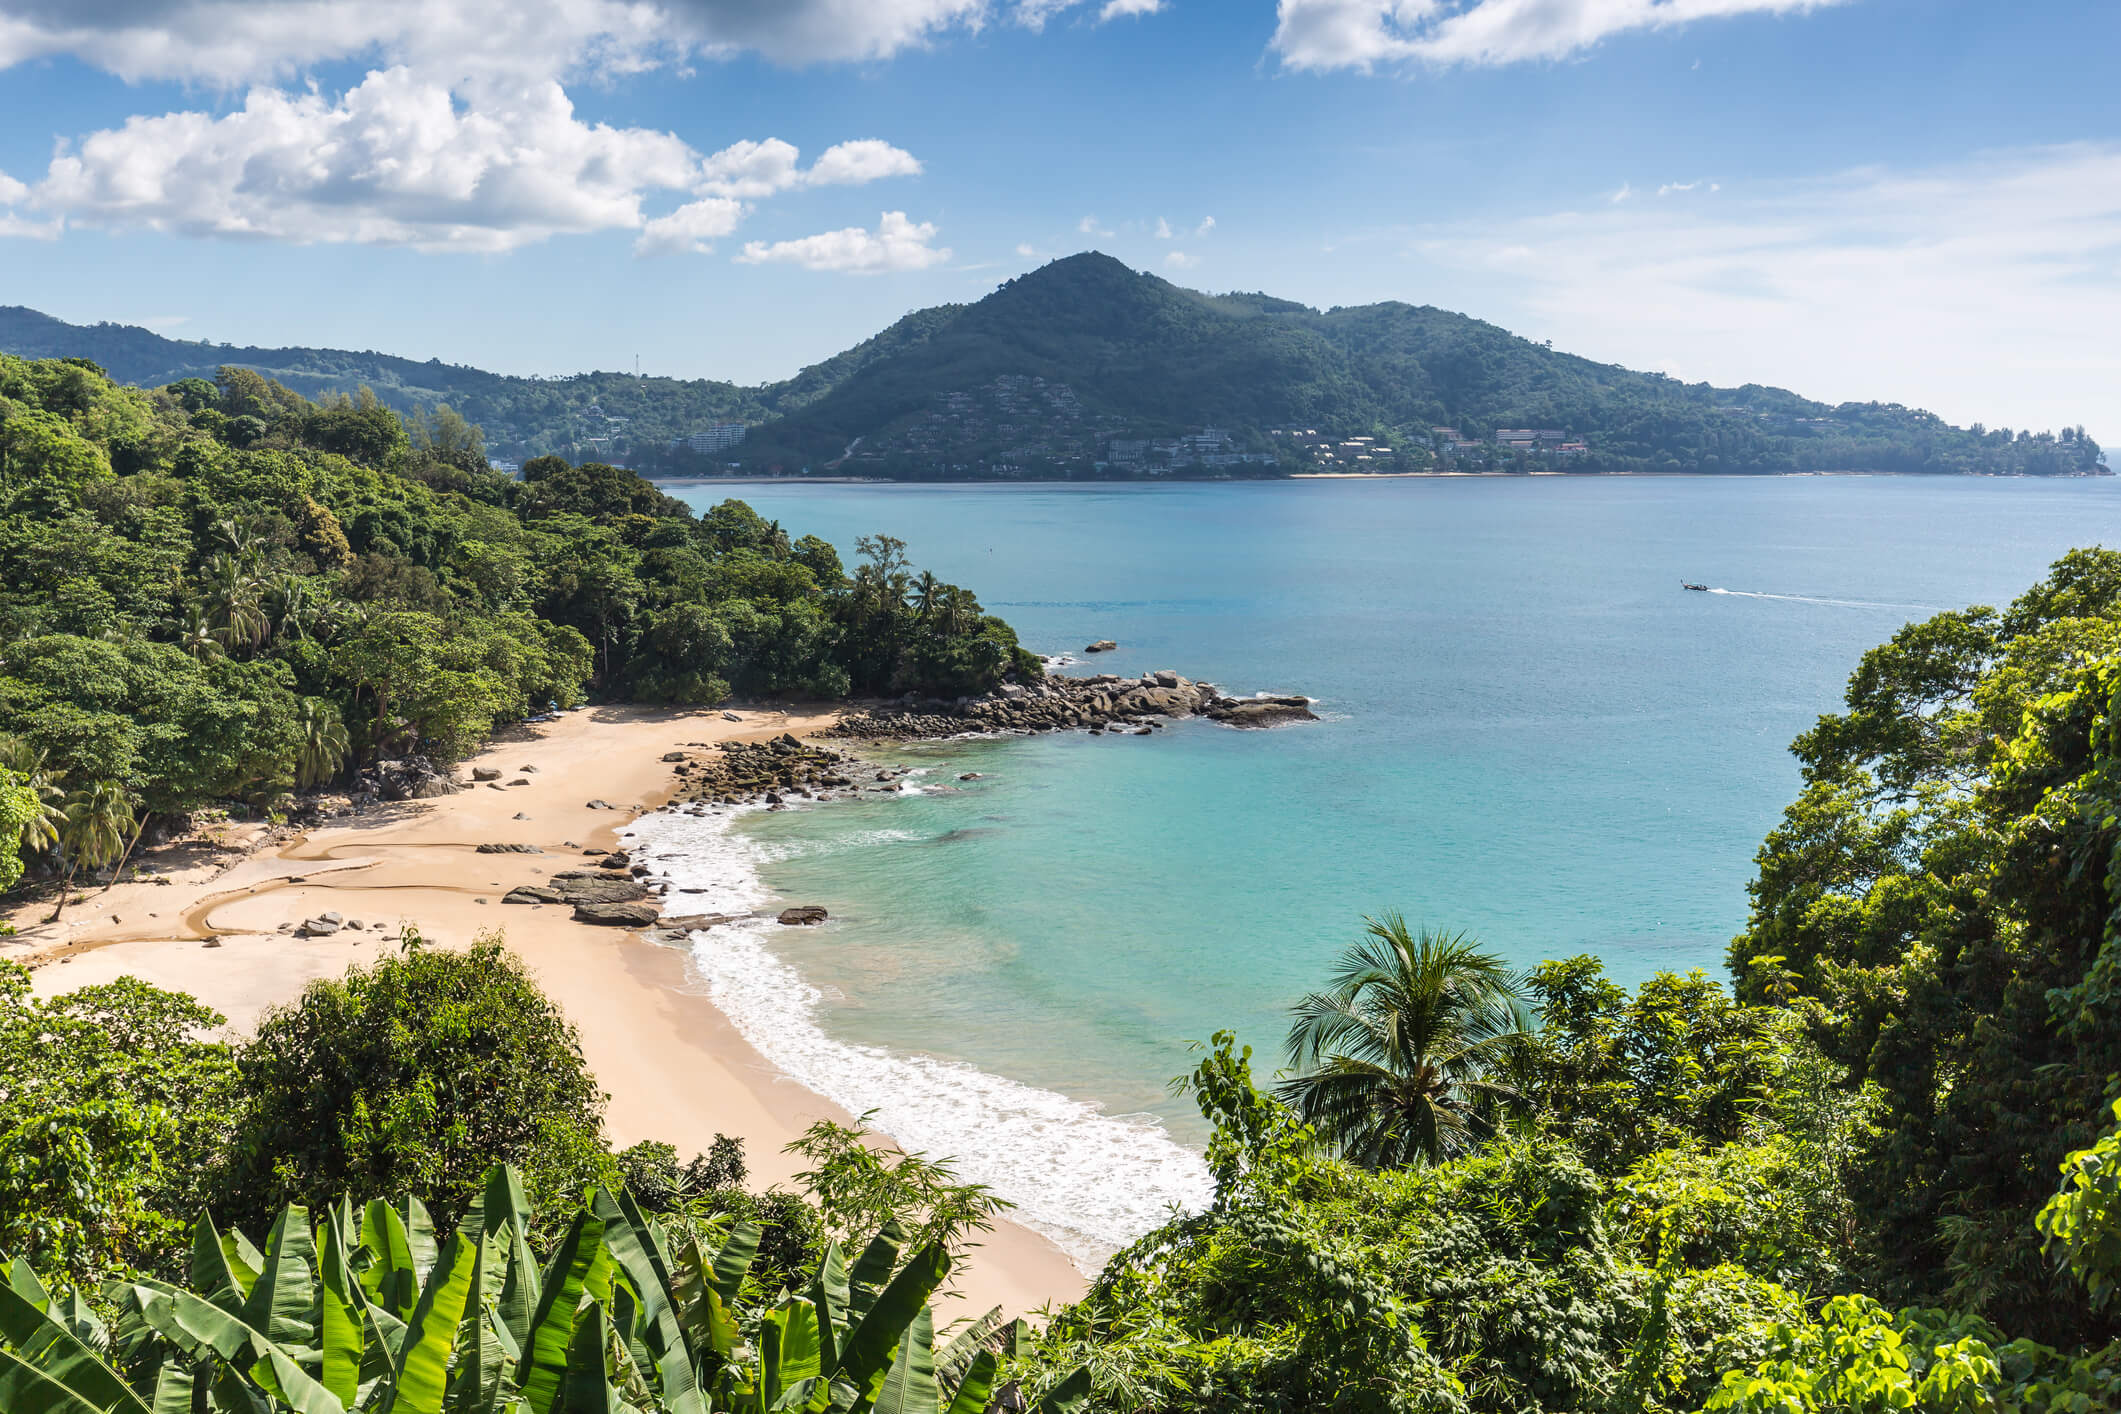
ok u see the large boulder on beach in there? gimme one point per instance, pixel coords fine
(486, 773)
(803, 916)
(579, 887)
(617, 915)
(532, 893)
(322, 927)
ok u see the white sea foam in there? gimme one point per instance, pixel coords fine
(1090, 1181)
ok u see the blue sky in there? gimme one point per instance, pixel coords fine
(1915, 200)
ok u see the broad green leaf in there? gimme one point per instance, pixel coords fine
(26, 1390)
(278, 1375)
(588, 1387)
(977, 1387)
(281, 1297)
(953, 1359)
(173, 1388)
(734, 1260)
(392, 1279)
(213, 1275)
(866, 1356)
(909, 1386)
(419, 1236)
(788, 1349)
(59, 1354)
(26, 1284)
(661, 1338)
(518, 1300)
(1069, 1396)
(340, 1327)
(828, 1292)
(421, 1377)
(504, 1205)
(874, 1267)
(552, 1324)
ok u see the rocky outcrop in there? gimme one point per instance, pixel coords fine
(1262, 711)
(486, 773)
(509, 849)
(616, 915)
(763, 773)
(1103, 703)
(579, 886)
(532, 893)
(805, 916)
(406, 778)
(1103, 645)
(321, 926)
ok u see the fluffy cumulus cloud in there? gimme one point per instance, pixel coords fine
(1874, 283)
(1363, 34)
(897, 243)
(461, 136)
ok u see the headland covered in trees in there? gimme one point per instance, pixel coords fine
(1086, 369)
(1877, 1169)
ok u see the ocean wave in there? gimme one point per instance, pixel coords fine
(1090, 1181)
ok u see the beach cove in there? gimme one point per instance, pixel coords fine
(674, 1067)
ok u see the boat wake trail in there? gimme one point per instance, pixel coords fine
(1811, 599)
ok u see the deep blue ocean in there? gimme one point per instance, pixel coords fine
(1531, 733)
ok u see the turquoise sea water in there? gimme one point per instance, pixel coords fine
(1532, 733)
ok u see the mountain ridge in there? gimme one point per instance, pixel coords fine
(1086, 367)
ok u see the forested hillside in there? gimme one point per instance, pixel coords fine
(222, 591)
(1044, 375)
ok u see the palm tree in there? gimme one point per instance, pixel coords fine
(231, 596)
(1401, 1061)
(99, 820)
(927, 594)
(324, 743)
(196, 634)
(290, 612)
(26, 761)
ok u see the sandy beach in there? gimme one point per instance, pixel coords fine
(674, 1067)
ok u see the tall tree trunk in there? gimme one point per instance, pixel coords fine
(65, 889)
(139, 829)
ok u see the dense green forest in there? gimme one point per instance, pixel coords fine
(950, 392)
(221, 591)
(1879, 1170)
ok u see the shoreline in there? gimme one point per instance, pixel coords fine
(673, 1064)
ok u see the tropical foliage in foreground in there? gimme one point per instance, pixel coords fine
(370, 1309)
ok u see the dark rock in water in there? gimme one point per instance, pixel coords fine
(1262, 711)
(509, 849)
(532, 893)
(616, 915)
(971, 776)
(802, 917)
(689, 922)
(1103, 645)
(617, 859)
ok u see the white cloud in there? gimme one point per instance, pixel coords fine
(897, 243)
(1361, 34)
(1179, 260)
(1088, 226)
(1207, 224)
(1163, 229)
(1626, 190)
(691, 228)
(1123, 9)
(1670, 187)
(1987, 290)
(401, 160)
(1026, 251)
